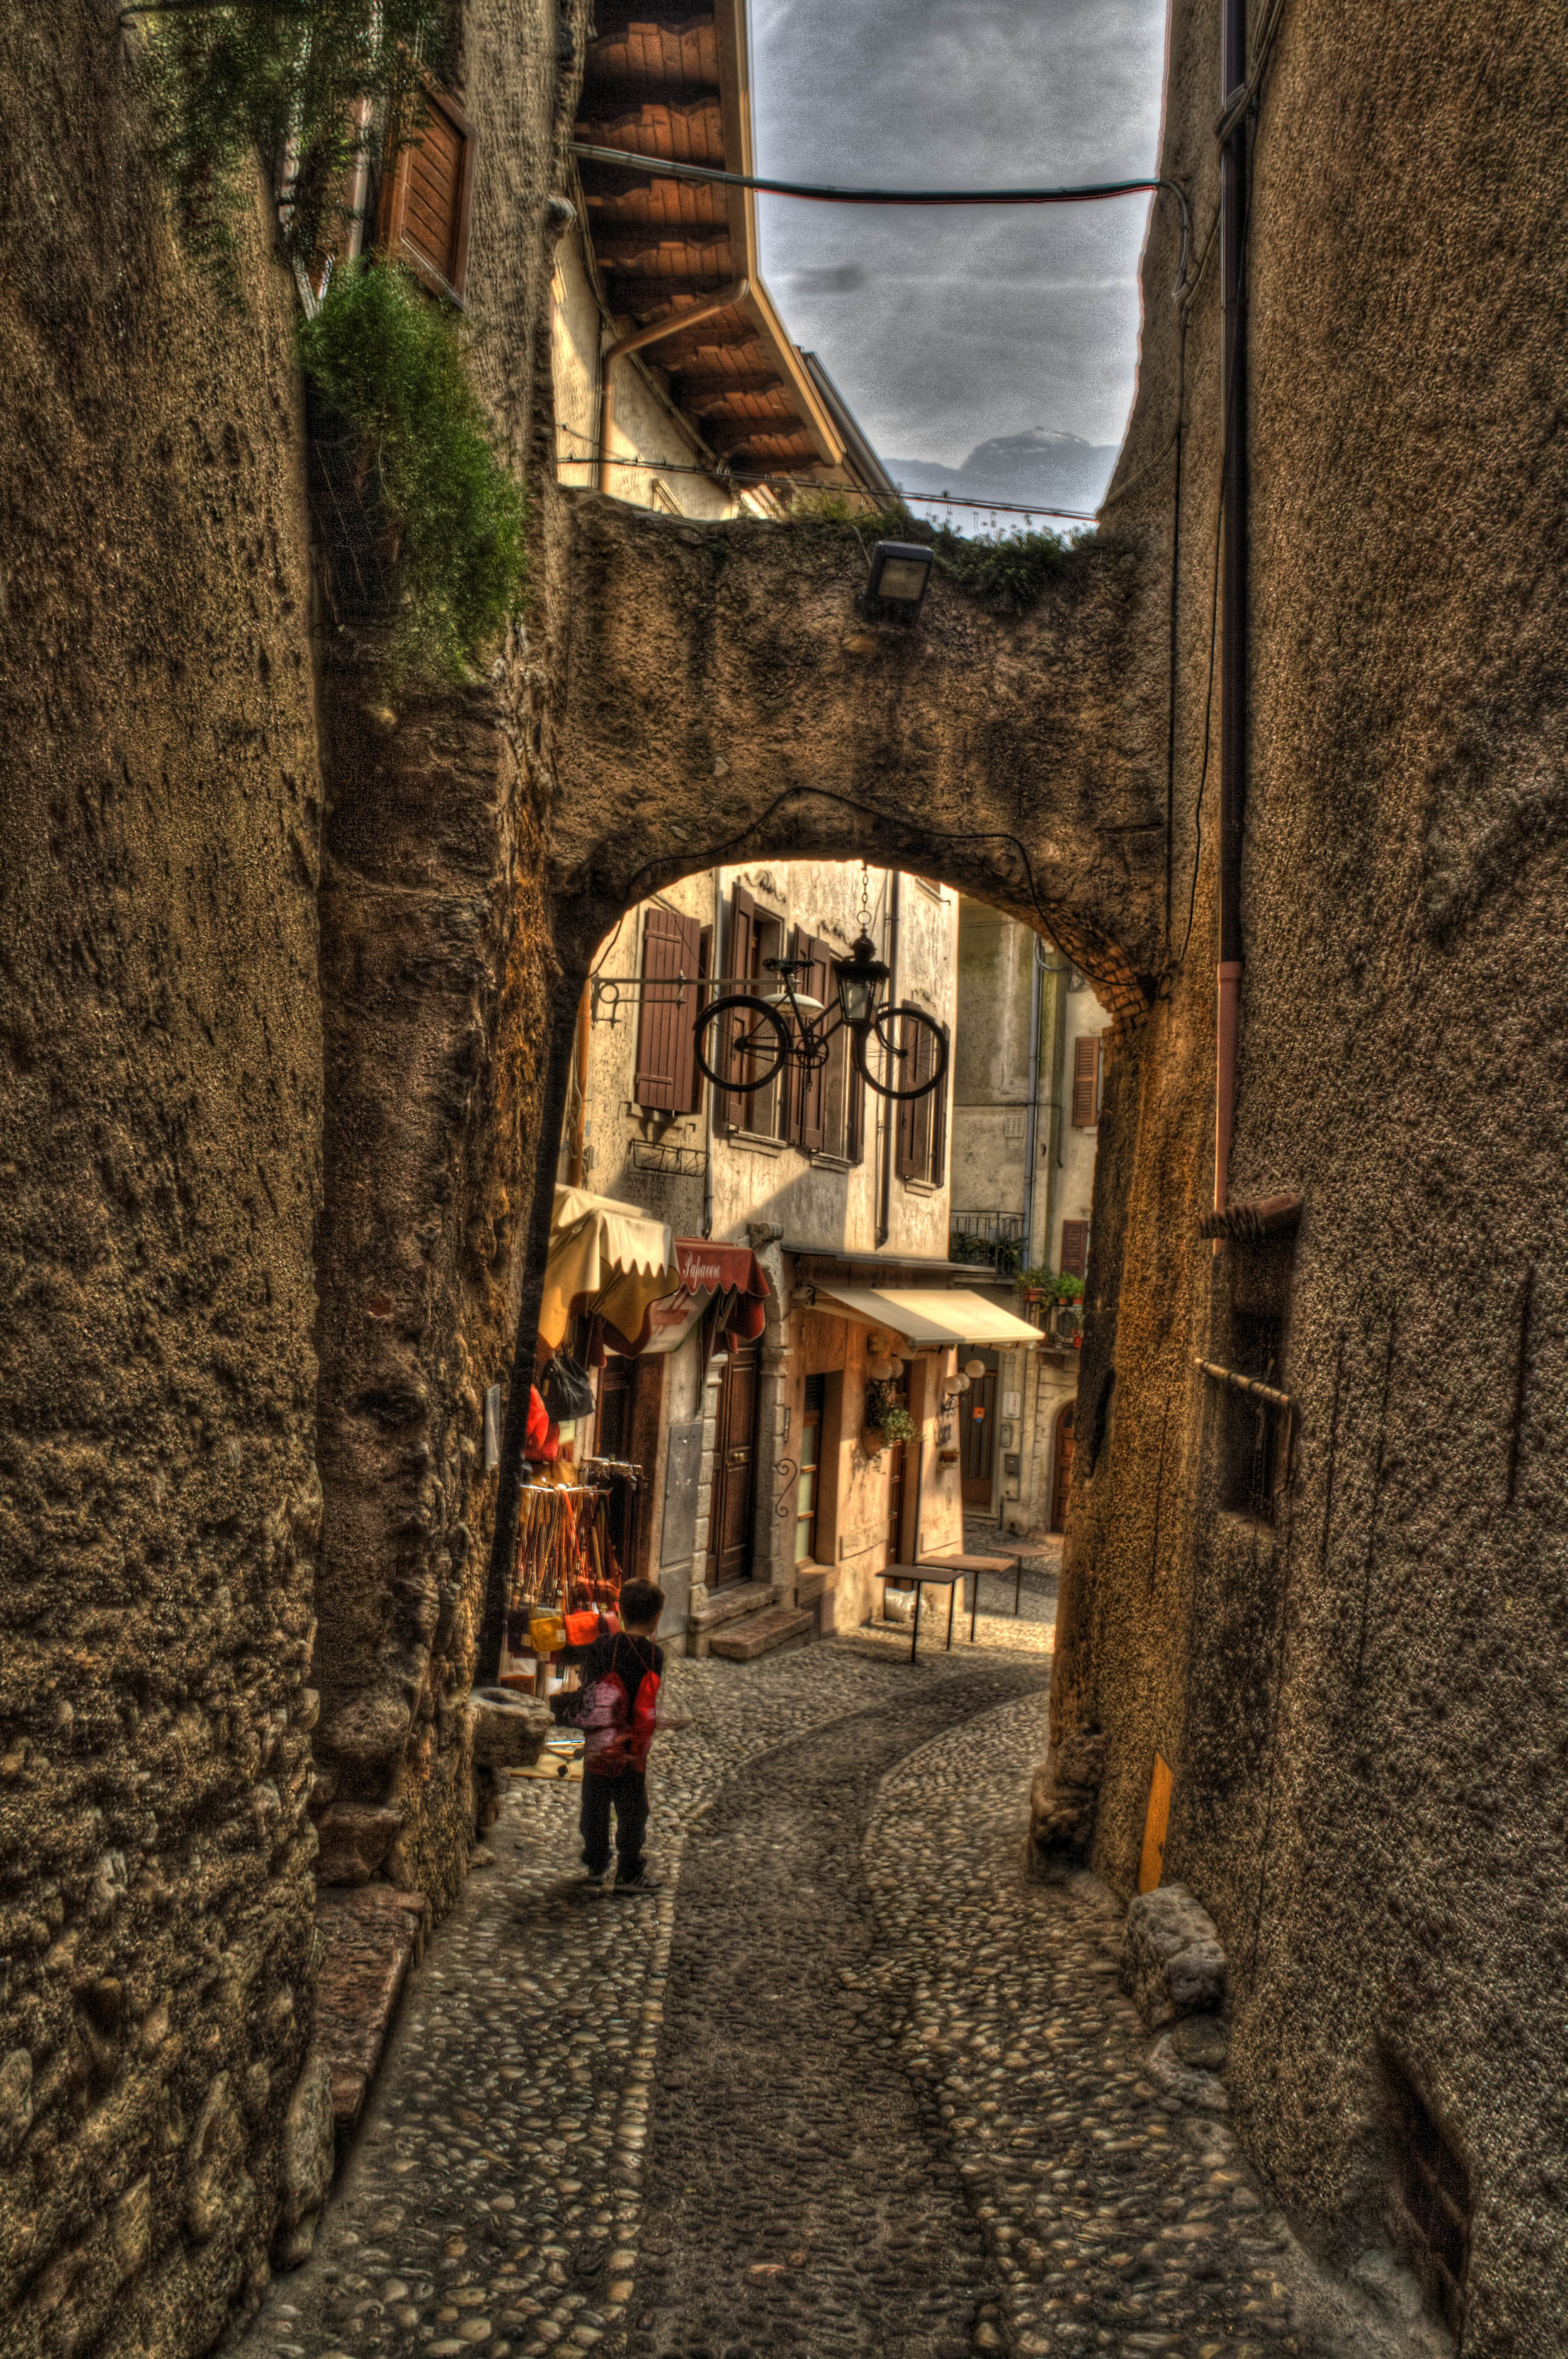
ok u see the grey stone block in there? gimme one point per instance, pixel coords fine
(1172, 1963)
(509, 1728)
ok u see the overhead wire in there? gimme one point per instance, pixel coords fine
(662, 168)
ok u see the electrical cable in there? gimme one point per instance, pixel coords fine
(815, 483)
(662, 167)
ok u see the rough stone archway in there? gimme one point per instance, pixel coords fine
(721, 698)
(695, 693)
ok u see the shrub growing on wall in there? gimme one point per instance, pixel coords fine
(390, 362)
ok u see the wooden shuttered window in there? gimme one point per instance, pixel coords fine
(427, 194)
(738, 963)
(1074, 1248)
(922, 1122)
(666, 1079)
(1087, 1054)
(807, 1123)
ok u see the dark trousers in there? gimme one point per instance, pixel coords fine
(628, 1796)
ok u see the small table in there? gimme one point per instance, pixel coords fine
(947, 1576)
(977, 1565)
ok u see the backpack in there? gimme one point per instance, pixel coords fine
(619, 1723)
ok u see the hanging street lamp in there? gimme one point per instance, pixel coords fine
(860, 979)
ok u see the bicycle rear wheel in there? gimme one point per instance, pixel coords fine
(902, 1054)
(741, 1044)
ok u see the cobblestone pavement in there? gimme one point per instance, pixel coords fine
(851, 2085)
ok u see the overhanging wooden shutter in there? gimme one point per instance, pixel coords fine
(704, 969)
(938, 1104)
(428, 193)
(1074, 1248)
(664, 1050)
(737, 964)
(905, 1160)
(1085, 1081)
(810, 1101)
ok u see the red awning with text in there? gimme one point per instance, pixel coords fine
(731, 1272)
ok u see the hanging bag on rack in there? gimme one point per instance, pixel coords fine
(565, 1389)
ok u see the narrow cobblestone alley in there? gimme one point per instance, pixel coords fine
(851, 2085)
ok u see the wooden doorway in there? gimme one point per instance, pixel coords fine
(612, 1439)
(897, 1463)
(1061, 1476)
(977, 1431)
(730, 1514)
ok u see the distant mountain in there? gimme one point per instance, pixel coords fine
(1060, 470)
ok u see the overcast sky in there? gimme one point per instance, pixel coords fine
(943, 328)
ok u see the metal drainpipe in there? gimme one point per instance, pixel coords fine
(724, 300)
(886, 1117)
(1031, 1121)
(715, 968)
(1233, 604)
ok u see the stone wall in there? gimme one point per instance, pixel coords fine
(1362, 1703)
(161, 1075)
(436, 967)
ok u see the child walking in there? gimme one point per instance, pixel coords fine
(620, 1685)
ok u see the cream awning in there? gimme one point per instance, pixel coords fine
(607, 1253)
(929, 1314)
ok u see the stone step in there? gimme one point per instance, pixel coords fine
(760, 1634)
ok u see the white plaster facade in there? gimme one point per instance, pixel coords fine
(1024, 1165)
(811, 1216)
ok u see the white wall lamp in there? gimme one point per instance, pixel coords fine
(901, 573)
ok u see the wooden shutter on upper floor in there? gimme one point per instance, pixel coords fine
(807, 1126)
(427, 194)
(904, 1159)
(666, 1053)
(736, 965)
(1085, 1081)
(938, 1104)
(1074, 1248)
(915, 1115)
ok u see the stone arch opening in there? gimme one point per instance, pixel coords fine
(701, 695)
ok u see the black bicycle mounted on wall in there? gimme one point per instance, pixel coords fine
(742, 1041)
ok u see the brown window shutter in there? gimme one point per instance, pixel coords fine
(907, 1164)
(938, 1104)
(704, 969)
(1074, 1248)
(662, 1082)
(427, 196)
(684, 1012)
(814, 1085)
(737, 964)
(1085, 1081)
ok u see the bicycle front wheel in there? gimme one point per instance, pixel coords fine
(902, 1053)
(741, 1044)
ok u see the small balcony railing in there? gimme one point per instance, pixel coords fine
(987, 1238)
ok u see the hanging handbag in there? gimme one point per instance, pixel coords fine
(565, 1390)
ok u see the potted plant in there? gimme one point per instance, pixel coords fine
(886, 1419)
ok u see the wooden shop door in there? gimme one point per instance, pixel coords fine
(1062, 1480)
(898, 1452)
(730, 1514)
(978, 1421)
(612, 1439)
